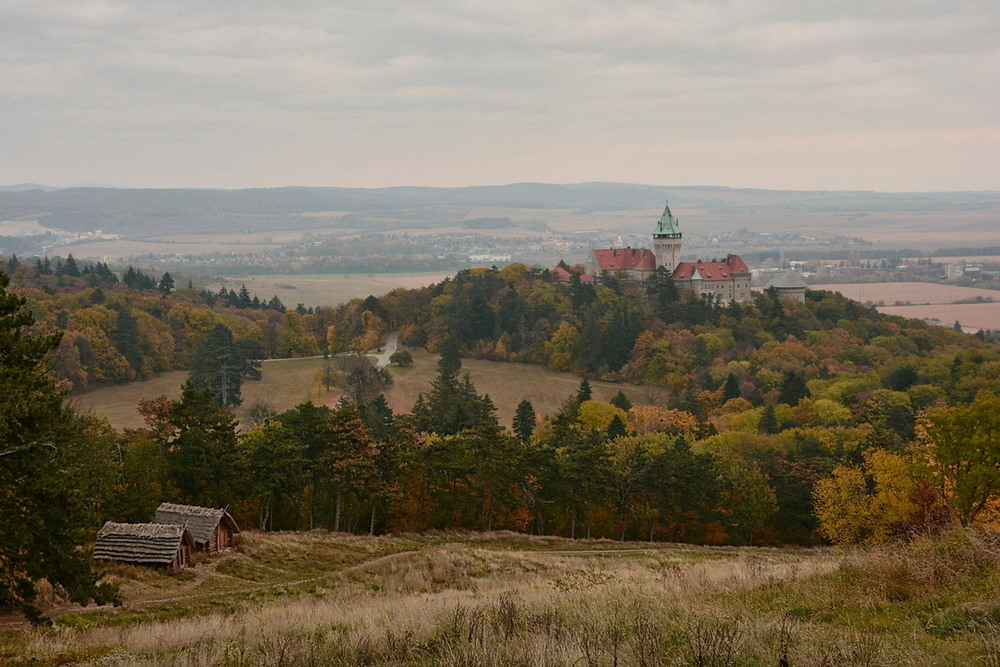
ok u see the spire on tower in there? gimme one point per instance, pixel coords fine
(668, 223)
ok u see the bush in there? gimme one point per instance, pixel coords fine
(401, 358)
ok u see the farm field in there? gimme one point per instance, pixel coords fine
(313, 290)
(288, 382)
(122, 250)
(914, 293)
(972, 316)
(511, 599)
(927, 301)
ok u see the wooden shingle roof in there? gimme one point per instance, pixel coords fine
(201, 521)
(141, 543)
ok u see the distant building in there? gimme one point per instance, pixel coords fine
(212, 529)
(563, 274)
(728, 280)
(788, 285)
(150, 544)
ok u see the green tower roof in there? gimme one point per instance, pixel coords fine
(668, 223)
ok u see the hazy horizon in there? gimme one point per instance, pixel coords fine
(778, 96)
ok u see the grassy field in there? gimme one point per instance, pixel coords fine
(325, 289)
(284, 384)
(288, 382)
(506, 599)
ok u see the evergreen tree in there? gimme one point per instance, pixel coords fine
(616, 429)
(203, 457)
(793, 389)
(768, 421)
(243, 299)
(451, 405)
(71, 268)
(378, 418)
(621, 401)
(51, 464)
(524, 420)
(166, 284)
(221, 363)
(450, 362)
(732, 387)
(584, 392)
(126, 339)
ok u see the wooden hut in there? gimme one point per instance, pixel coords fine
(152, 544)
(212, 529)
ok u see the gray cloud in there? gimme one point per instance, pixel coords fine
(769, 94)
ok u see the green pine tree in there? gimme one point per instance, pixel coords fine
(55, 472)
(524, 420)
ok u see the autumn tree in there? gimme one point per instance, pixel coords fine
(859, 504)
(964, 443)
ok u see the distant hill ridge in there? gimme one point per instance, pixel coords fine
(130, 211)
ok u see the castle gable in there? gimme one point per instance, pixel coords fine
(624, 259)
(732, 267)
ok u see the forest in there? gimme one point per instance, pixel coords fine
(766, 423)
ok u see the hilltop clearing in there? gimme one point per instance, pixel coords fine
(288, 382)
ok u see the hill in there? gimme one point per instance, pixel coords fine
(503, 599)
(142, 213)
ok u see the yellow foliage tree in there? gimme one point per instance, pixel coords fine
(860, 504)
(561, 345)
(597, 415)
(648, 419)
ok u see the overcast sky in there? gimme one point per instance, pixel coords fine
(782, 94)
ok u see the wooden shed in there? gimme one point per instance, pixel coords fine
(212, 529)
(152, 544)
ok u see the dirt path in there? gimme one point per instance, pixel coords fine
(16, 620)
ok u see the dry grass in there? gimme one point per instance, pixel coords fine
(288, 382)
(452, 603)
(325, 289)
(930, 301)
(915, 293)
(285, 383)
(506, 383)
(502, 599)
(972, 316)
(505, 599)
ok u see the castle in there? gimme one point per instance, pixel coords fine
(726, 280)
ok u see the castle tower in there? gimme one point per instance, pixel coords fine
(667, 241)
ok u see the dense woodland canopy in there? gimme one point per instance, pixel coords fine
(770, 422)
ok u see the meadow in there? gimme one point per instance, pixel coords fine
(927, 301)
(287, 382)
(322, 598)
(313, 290)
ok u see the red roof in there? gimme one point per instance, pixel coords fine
(560, 274)
(631, 259)
(725, 270)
